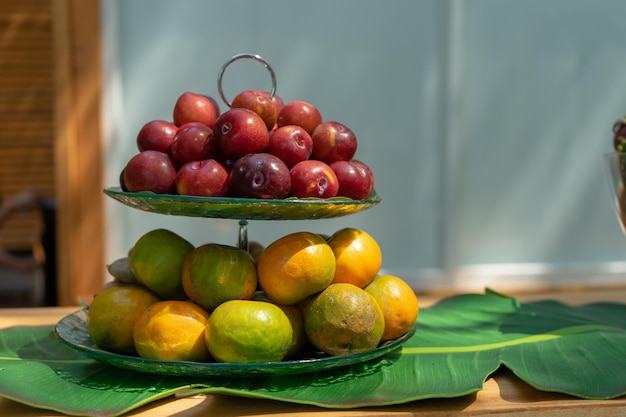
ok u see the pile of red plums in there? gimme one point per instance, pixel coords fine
(258, 148)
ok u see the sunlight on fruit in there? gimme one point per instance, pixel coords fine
(172, 331)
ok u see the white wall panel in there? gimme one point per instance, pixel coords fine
(484, 121)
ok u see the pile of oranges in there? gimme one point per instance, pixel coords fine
(223, 303)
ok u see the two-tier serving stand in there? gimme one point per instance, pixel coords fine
(73, 329)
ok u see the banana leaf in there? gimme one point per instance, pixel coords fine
(459, 343)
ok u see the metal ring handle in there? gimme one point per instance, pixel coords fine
(237, 57)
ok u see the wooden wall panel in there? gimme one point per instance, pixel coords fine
(50, 137)
(78, 154)
(26, 111)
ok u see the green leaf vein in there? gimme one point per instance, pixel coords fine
(535, 338)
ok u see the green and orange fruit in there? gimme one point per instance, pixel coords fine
(358, 256)
(113, 314)
(344, 319)
(156, 261)
(172, 330)
(398, 302)
(248, 331)
(214, 273)
(295, 266)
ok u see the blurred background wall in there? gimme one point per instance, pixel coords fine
(51, 209)
(485, 122)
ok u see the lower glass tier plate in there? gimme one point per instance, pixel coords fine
(74, 332)
(243, 208)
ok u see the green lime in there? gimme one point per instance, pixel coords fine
(246, 331)
(156, 261)
(213, 274)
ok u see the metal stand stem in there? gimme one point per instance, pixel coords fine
(243, 235)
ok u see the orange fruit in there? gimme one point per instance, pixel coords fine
(344, 319)
(156, 261)
(214, 273)
(172, 330)
(398, 302)
(248, 331)
(358, 256)
(294, 267)
(112, 316)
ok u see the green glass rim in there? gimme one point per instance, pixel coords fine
(243, 208)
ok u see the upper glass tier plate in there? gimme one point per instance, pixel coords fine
(73, 330)
(243, 208)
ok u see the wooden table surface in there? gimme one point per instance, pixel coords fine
(503, 393)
